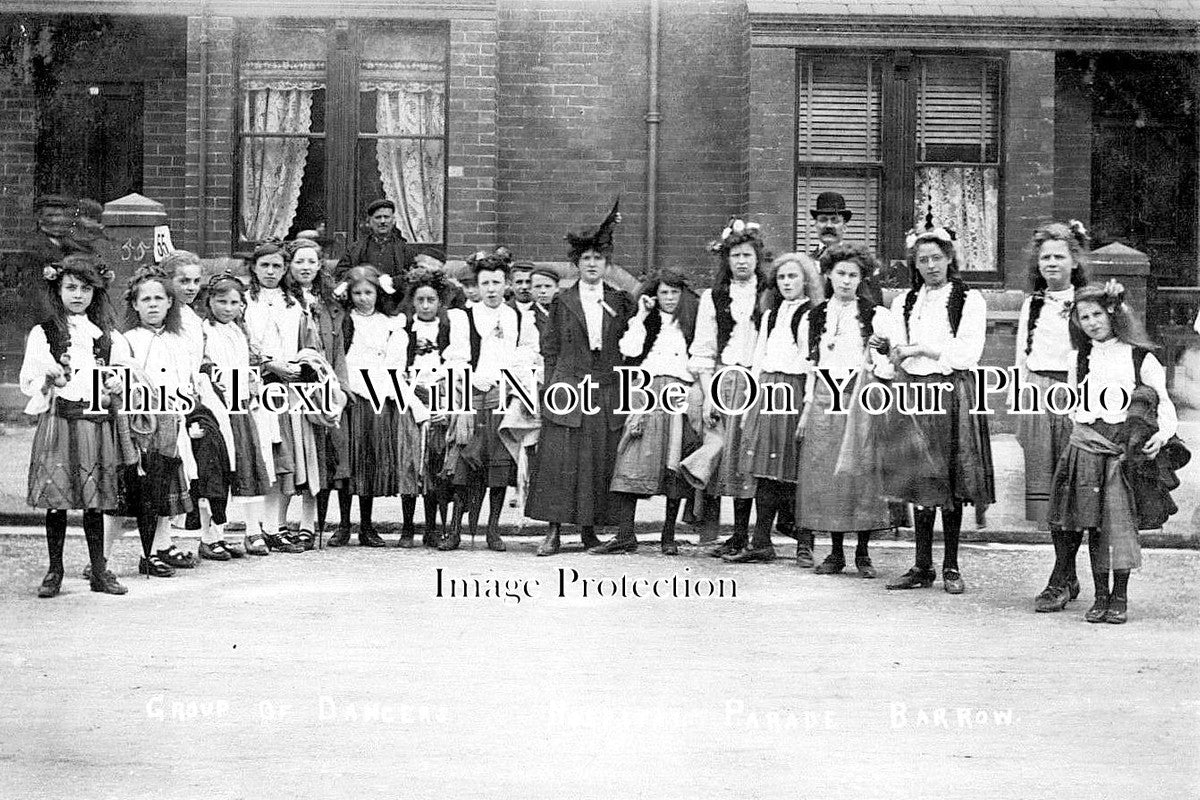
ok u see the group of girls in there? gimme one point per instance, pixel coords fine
(800, 467)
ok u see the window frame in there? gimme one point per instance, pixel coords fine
(342, 45)
(899, 123)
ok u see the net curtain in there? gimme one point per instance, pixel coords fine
(965, 199)
(273, 167)
(412, 171)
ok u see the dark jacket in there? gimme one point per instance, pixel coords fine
(568, 356)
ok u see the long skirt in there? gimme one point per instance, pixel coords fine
(824, 501)
(1090, 491)
(74, 464)
(727, 478)
(1044, 439)
(250, 476)
(569, 479)
(433, 458)
(648, 464)
(374, 448)
(485, 460)
(770, 449)
(157, 484)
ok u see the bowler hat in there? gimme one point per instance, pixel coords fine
(831, 203)
(383, 202)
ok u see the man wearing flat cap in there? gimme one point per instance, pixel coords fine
(52, 239)
(384, 247)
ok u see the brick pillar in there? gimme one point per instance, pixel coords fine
(773, 144)
(1029, 158)
(473, 149)
(216, 34)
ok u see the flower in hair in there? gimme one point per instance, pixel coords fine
(736, 227)
(385, 283)
(50, 272)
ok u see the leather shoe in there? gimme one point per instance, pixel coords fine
(368, 537)
(340, 538)
(1099, 610)
(494, 542)
(915, 578)
(550, 545)
(614, 546)
(51, 585)
(1117, 610)
(107, 583)
(670, 548)
(406, 540)
(952, 582)
(804, 548)
(589, 539)
(865, 568)
(832, 565)
(1052, 598)
(729, 547)
(751, 555)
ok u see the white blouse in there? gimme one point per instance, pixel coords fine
(777, 350)
(193, 334)
(274, 326)
(842, 350)
(500, 347)
(669, 353)
(379, 343)
(429, 368)
(1051, 350)
(38, 360)
(157, 354)
(228, 348)
(1110, 364)
(930, 325)
(742, 340)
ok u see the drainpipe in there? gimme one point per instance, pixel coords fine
(202, 170)
(652, 121)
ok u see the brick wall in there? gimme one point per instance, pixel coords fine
(1072, 143)
(216, 35)
(572, 133)
(472, 197)
(704, 173)
(773, 143)
(1029, 157)
(572, 130)
(18, 138)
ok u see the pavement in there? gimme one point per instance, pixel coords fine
(1005, 520)
(343, 674)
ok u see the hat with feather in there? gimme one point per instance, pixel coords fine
(599, 239)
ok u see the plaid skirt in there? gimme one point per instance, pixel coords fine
(74, 464)
(770, 439)
(825, 502)
(1044, 439)
(156, 484)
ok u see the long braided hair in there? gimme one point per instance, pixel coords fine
(1076, 238)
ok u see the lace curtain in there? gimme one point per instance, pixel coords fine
(412, 170)
(965, 199)
(273, 167)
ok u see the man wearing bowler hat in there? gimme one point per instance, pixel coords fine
(830, 216)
